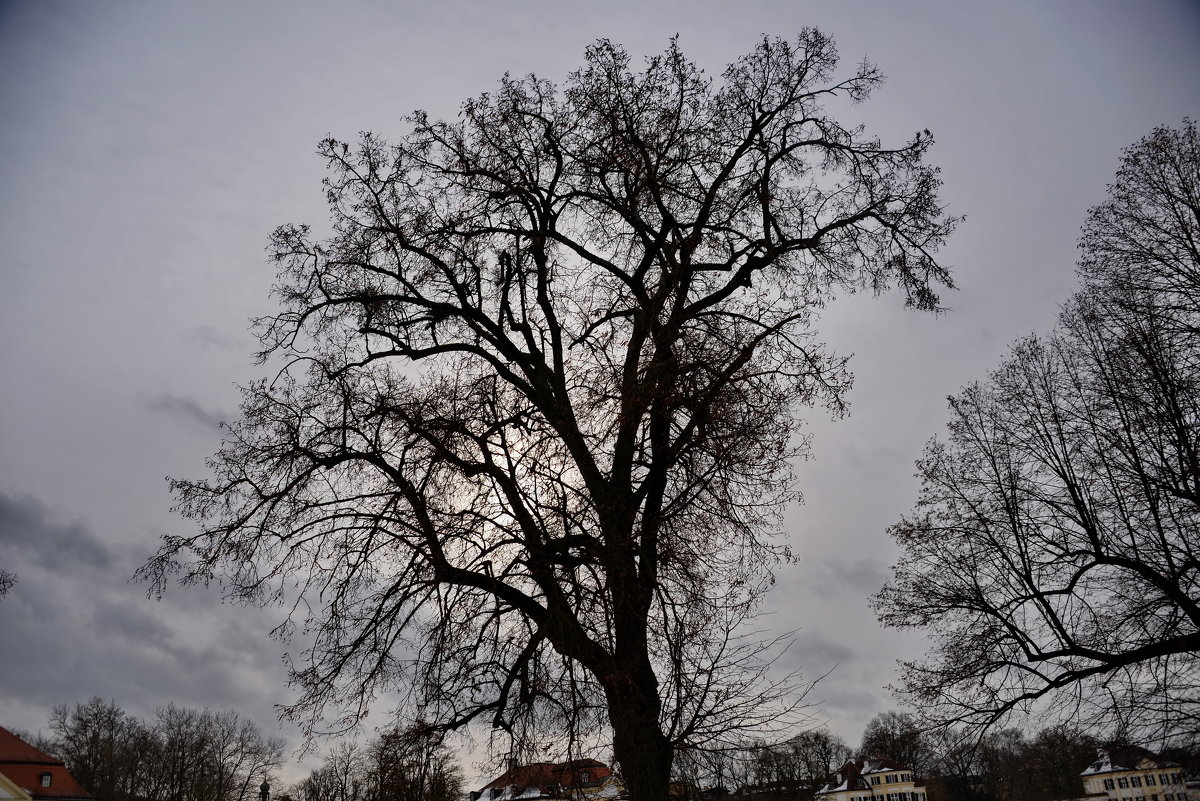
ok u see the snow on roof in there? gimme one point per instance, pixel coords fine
(513, 793)
(850, 777)
(830, 788)
(1129, 757)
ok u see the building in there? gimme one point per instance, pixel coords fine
(1130, 773)
(38, 776)
(872, 780)
(10, 791)
(578, 778)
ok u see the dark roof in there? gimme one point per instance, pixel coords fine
(25, 765)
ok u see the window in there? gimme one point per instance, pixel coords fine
(1123, 781)
(891, 777)
(1140, 798)
(45, 779)
(1169, 797)
(1109, 784)
(1135, 781)
(1149, 779)
(1162, 779)
(874, 780)
(584, 777)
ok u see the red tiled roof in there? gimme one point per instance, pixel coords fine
(539, 774)
(550, 774)
(25, 765)
(14, 749)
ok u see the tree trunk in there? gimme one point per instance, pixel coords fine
(642, 751)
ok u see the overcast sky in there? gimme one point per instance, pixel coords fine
(147, 149)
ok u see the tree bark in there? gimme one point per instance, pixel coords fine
(642, 751)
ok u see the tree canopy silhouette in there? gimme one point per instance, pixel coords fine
(1055, 548)
(533, 415)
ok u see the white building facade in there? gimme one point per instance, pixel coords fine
(1134, 774)
(872, 780)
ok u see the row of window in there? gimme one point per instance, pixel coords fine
(892, 778)
(1154, 797)
(1136, 781)
(895, 797)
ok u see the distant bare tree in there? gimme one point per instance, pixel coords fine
(343, 776)
(898, 736)
(1005, 765)
(532, 419)
(1055, 550)
(241, 756)
(800, 765)
(396, 766)
(209, 756)
(107, 750)
(186, 755)
(414, 765)
(1055, 758)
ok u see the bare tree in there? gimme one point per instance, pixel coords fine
(799, 766)
(414, 765)
(104, 748)
(396, 766)
(898, 736)
(186, 755)
(532, 419)
(1054, 552)
(241, 756)
(1055, 759)
(343, 776)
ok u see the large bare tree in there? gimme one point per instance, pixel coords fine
(533, 411)
(1055, 549)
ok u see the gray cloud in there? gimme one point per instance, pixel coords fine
(136, 267)
(81, 628)
(210, 337)
(27, 524)
(187, 410)
(818, 652)
(825, 579)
